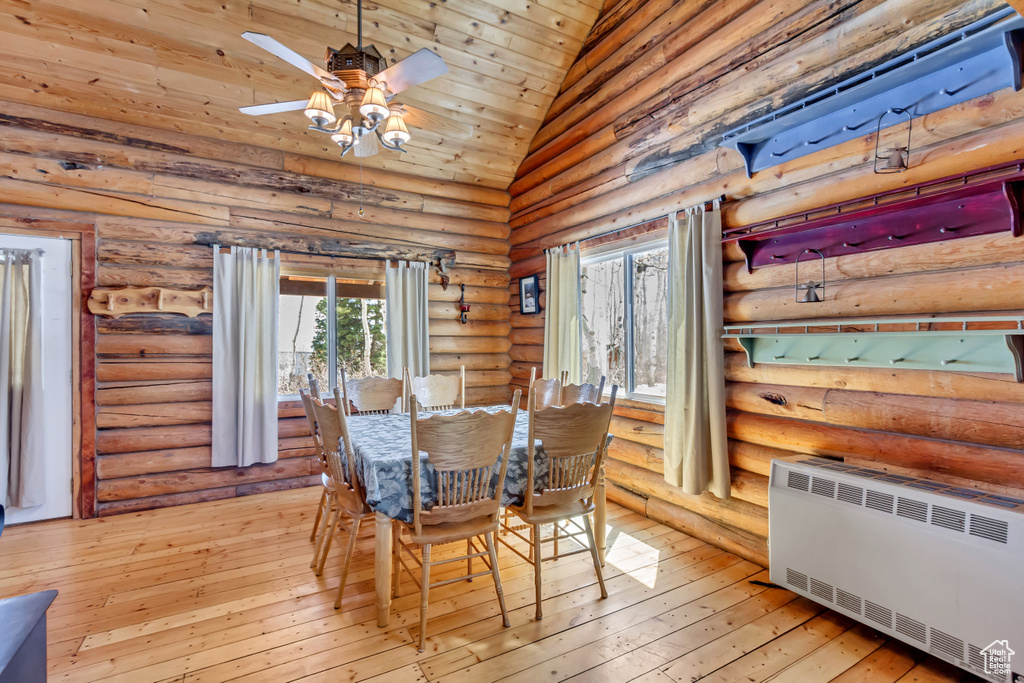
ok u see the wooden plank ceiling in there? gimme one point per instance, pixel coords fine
(182, 65)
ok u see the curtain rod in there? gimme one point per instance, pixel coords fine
(447, 255)
(707, 207)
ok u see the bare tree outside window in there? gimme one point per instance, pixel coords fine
(624, 310)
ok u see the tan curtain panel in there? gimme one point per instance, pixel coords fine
(22, 473)
(408, 318)
(696, 446)
(562, 326)
(246, 283)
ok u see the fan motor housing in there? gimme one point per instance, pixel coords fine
(350, 58)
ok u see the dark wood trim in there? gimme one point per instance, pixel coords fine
(87, 378)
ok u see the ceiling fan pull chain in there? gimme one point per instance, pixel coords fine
(361, 212)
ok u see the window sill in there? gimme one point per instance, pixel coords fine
(654, 404)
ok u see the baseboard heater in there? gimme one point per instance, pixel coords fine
(939, 567)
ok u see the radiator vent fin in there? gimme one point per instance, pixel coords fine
(823, 487)
(948, 518)
(822, 590)
(992, 529)
(877, 613)
(912, 628)
(975, 658)
(877, 500)
(912, 509)
(796, 579)
(943, 642)
(850, 494)
(799, 481)
(848, 601)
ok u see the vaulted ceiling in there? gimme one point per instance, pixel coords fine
(182, 65)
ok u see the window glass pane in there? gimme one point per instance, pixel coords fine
(604, 334)
(361, 342)
(301, 304)
(650, 321)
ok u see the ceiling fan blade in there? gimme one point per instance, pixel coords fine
(442, 125)
(289, 55)
(417, 68)
(273, 108)
(366, 145)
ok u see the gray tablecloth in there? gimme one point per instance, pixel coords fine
(383, 445)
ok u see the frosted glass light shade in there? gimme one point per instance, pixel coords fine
(344, 134)
(320, 107)
(374, 107)
(395, 130)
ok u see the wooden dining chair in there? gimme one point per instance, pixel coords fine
(549, 391)
(464, 450)
(373, 395)
(438, 392)
(349, 499)
(582, 393)
(574, 438)
(327, 485)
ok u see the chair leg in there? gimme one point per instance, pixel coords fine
(493, 554)
(535, 551)
(424, 596)
(330, 539)
(469, 560)
(534, 535)
(322, 532)
(593, 553)
(396, 565)
(349, 551)
(319, 514)
(557, 530)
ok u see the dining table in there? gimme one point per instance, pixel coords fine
(383, 448)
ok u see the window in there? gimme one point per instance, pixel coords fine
(311, 340)
(624, 309)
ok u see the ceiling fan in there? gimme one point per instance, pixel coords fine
(358, 78)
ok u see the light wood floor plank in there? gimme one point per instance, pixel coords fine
(222, 591)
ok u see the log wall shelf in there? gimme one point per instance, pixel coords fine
(966, 344)
(980, 59)
(115, 302)
(977, 208)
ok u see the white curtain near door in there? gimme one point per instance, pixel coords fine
(696, 446)
(408, 317)
(562, 325)
(245, 293)
(22, 410)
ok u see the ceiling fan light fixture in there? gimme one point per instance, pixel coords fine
(344, 135)
(320, 109)
(396, 132)
(374, 107)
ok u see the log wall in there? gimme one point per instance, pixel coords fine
(632, 136)
(158, 200)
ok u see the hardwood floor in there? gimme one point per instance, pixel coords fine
(223, 591)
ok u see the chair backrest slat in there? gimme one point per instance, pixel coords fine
(307, 405)
(464, 450)
(582, 393)
(373, 395)
(439, 392)
(549, 391)
(574, 438)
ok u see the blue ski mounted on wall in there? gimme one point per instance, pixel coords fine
(982, 58)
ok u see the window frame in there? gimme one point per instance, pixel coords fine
(610, 252)
(332, 328)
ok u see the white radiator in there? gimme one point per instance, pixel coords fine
(936, 566)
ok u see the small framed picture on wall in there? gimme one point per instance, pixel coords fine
(529, 295)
